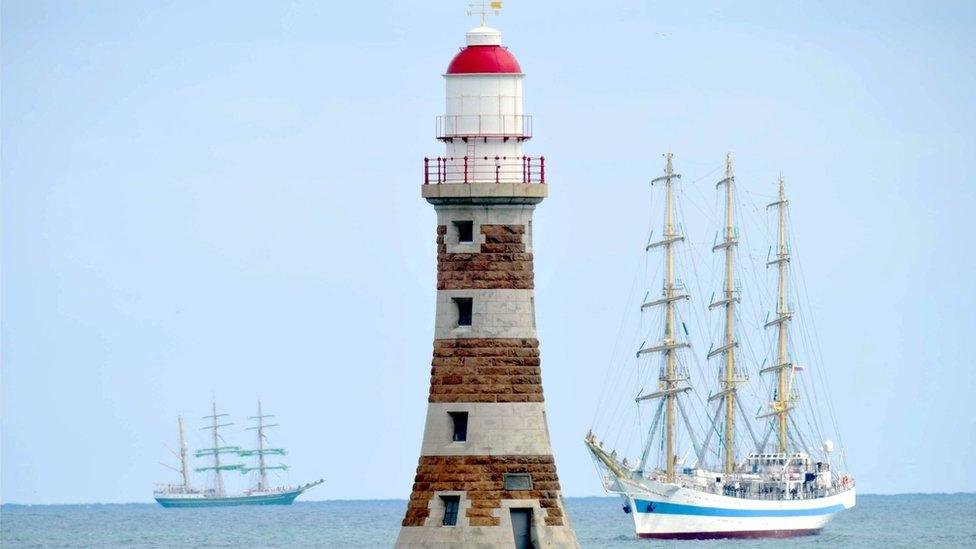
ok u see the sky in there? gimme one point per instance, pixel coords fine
(222, 199)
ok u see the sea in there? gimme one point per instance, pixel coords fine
(916, 520)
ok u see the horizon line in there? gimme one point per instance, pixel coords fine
(338, 500)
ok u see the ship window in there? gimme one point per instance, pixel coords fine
(518, 481)
(451, 504)
(464, 305)
(465, 231)
(460, 422)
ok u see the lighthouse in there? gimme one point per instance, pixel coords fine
(486, 475)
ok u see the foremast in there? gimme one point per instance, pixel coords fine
(216, 450)
(783, 398)
(261, 451)
(184, 462)
(730, 376)
(670, 377)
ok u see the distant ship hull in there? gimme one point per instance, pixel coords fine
(691, 514)
(284, 498)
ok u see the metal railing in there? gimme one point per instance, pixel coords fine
(484, 125)
(484, 169)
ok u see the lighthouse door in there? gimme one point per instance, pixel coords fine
(521, 528)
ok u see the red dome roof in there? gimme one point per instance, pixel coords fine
(484, 59)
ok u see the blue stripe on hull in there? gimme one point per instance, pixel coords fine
(645, 506)
(285, 498)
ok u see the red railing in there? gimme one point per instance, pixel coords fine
(484, 169)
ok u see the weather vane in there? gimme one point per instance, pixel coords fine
(482, 8)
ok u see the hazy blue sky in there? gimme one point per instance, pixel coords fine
(223, 197)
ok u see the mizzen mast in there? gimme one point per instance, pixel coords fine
(783, 401)
(729, 377)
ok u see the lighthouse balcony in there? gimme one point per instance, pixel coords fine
(485, 169)
(504, 126)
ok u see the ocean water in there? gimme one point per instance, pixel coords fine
(877, 521)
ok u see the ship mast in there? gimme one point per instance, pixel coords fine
(670, 376)
(261, 451)
(216, 454)
(216, 450)
(263, 484)
(669, 380)
(183, 460)
(783, 401)
(728, 379)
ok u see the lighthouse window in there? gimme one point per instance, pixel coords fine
(451, 504)
(465, 231)
(464, 305)
(460, 422)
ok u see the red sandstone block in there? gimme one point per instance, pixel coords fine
(502, 238)
(502, 229)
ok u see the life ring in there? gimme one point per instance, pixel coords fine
(846, 480)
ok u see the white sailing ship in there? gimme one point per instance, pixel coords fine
(770, 485)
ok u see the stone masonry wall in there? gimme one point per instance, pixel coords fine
(482, 477)
(503, 262)
(486, 370)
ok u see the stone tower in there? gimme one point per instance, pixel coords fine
(486, 476)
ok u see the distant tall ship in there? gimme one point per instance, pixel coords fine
(185, 495)
(746, 487)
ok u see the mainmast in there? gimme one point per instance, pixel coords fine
(183, 459)
(669, 379)
(670, 375)
(216, 454)
(261, 451)
(783, 399)
(216, 450)
(728, 379)
(263, 484)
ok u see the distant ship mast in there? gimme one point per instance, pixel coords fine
(216, 450)
(185, 465)
(261, 451)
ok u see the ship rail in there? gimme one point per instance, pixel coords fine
(772, 490)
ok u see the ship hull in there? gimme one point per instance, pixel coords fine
(283, 498)
(691, 514)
